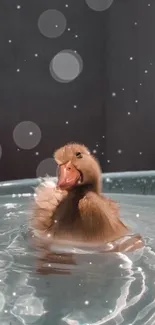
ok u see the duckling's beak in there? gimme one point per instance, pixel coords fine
(68, 176)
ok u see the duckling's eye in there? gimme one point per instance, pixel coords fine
(78, 154)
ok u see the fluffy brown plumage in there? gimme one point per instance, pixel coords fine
(75, 209)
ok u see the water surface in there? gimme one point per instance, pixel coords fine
(107, 288)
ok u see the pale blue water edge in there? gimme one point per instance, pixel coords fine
(106, 288)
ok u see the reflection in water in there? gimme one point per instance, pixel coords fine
(80, 287)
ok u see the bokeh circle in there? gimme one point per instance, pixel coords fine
(46, 167)
(2, 301)
(0, 151)
(99, 5)
(66, 66)
(28, 309)
(27, 135)
(52, 23)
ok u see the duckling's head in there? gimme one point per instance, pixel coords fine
(77, 168)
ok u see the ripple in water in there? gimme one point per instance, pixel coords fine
(81, 287)
(28, 309)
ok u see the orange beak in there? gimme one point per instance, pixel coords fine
(68, 176)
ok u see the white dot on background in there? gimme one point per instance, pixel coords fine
(87, 302)
(67, 122)
(140, 152)
(136, 101)
(37, 153)
(68, 29)
(27, 135)
(113, 94)
(131, 58)
(103, 136)
(149, 5)
(47, 166)
(146, 71)
(108, 161)
(123, 89)
(119, 151)
(52, 23)
(18, 70)
(129, 113)
(137, 215)
(76, 36)
(99, 5)
(94, 151)
(75, 106)
(18, 6)
(36, 55)
(66, 5)
(10, 41)
(135, 23)
(66, 66)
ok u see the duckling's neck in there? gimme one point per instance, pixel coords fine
(95, 187)
(82, 190)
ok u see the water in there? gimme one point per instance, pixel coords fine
(103, 288)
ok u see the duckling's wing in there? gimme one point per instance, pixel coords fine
(114, 206)
(98, 217)
(47, 199)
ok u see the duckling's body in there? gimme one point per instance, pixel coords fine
(75, 210)
(77, 216)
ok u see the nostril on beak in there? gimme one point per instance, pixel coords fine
(69, 166)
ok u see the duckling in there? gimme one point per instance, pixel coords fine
(75, 210)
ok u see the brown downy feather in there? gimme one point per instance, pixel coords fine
(46, 201)
(106, 226)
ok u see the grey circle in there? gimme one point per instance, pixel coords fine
(52, 23)
(46, 167)
(27, 135)
(0, 151)
(66, 66)
(28, 309)
(99, 5)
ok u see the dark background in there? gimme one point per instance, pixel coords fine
(110, 106)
